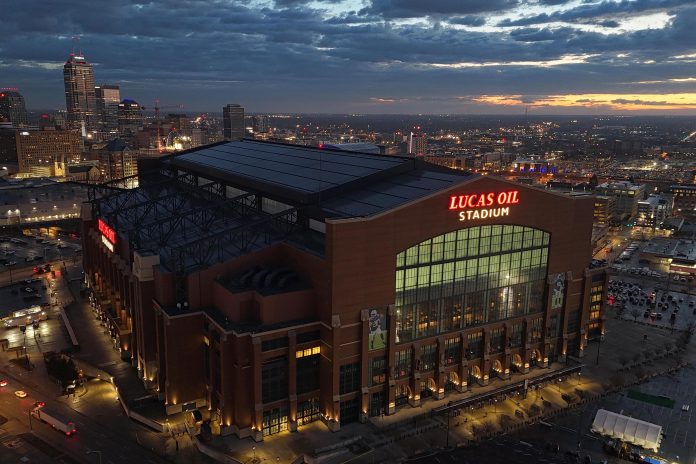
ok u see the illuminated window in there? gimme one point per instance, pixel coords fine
(307, 352)
(468, 277)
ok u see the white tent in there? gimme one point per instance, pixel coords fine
(628, 429)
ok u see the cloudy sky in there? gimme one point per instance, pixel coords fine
(364, 56)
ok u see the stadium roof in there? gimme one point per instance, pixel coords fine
(207, 205)
(344, 183)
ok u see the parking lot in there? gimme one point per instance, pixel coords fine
(19, 250)
(24, 294)
(645, 301)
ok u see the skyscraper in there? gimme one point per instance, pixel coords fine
(44, 152)
(130, 117)
(108, 97)
(233, 122)
(260, 123)
(417, 143)
(79, 94)
(12, 107)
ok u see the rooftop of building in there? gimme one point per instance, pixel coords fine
(201, 206)
(74, 168)
(624, 185)
(117, 144)
(654, 200)
(678, 249)
(683, 186)
(40, 190)
(345, 184)
(354, 146)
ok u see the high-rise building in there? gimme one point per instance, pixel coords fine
(79, 94)
(45, 152)
(626, 196)
(233, 122)
(117, 160)
(108, 97)
(417, 143)
(12, 107)
(684, 199)
(130, 117)
(260, 123)
(654, 210)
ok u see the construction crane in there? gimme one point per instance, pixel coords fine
(157, 109)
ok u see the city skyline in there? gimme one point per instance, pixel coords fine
(378, 56)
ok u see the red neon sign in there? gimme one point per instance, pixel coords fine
(107, 231)
(483, 200)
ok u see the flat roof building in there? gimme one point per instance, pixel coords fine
(684, 199)
(279, 284)
(43, 152)
(626, 196)
(654, 211)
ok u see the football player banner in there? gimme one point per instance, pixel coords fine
(378, 332)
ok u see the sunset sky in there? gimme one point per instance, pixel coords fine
(364, 56)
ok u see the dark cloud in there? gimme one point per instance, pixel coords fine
(469, 20)
(418, 8)
(540, 35)
(597, 10)
(292, 57)
(608, 23)
(623, 101)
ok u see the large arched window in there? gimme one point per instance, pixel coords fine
(469, 277)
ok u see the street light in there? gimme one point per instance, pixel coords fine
(97, 452)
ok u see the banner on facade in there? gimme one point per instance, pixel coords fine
(378, 332)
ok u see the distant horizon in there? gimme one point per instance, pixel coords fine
(521, 115)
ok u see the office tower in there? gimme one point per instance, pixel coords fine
(130, 117)
(417, 143)
(260, 123)
(626, 197)
(108, 97)
(178, 122)
(43, 152)
(117, 160)
(12, 107)
(79, 94)
(233, 122)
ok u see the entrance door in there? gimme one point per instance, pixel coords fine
(377, 401)
(350, 411)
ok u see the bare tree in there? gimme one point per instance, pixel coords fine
(635, 312)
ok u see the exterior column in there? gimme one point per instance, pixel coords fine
(332, 418)
(440, 375)
(391, 354)
(415, 400)
(506, 353)
(525, 352)
(257, 426)
(462, 369)
(292, 380)
(486, 365)
(364, 361)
